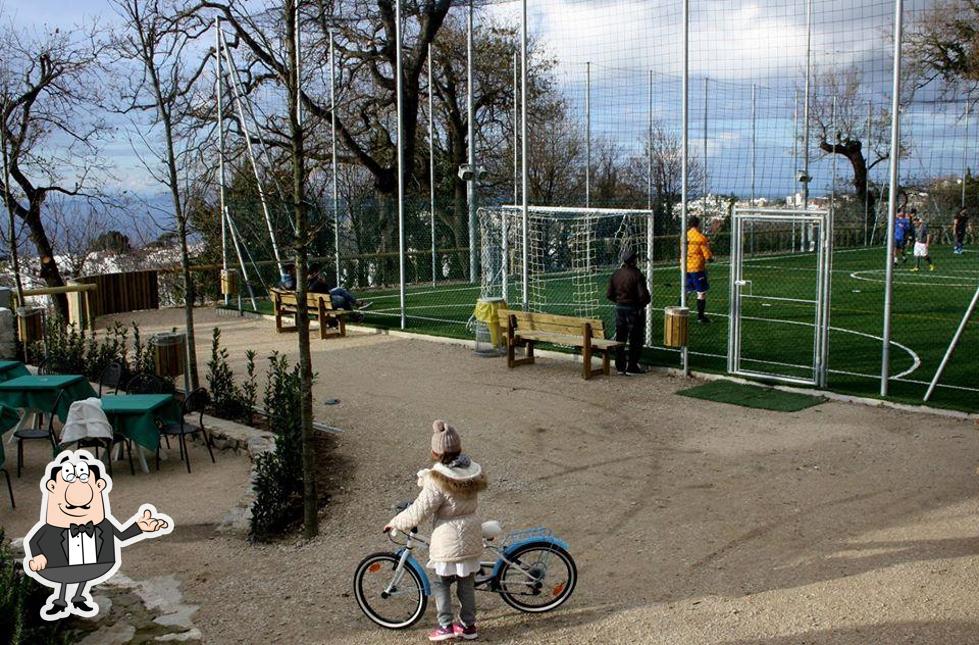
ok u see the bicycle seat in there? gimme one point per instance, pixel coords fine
(401, 506)
(491, 530)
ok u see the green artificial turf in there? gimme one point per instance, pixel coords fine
(778, 334)
(752, 396)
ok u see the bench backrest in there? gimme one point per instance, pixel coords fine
(551, 323)
(288, 299)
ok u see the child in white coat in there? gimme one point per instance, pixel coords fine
(449, 497)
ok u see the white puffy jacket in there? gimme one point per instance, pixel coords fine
(448, 496)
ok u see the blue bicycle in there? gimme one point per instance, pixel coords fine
(531, 570)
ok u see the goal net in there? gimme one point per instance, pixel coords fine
(571, 254)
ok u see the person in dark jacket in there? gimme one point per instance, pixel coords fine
(627, 289)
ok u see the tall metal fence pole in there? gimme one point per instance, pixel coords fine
(866, 188)
(401, 175)
(795, 160)
(218, 91)
(525, 277)
(651, 221)
(333, 146)
(835, 131)
(754, 161)
(431, 161)
(965, 161)
(706, 126)
(471, 111)
(516, 129)
(588, 135)
(885, 362)
(805, 111)
(684, 173)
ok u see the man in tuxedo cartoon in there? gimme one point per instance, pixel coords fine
(77, 541)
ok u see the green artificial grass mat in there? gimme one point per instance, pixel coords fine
(752, 396)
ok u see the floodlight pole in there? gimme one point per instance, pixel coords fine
(401, 176)
(471, 188)
(885, 364)
(333, 146)
(588, 135)
(684, 174)
(431, 160)
(651, 219)
(525, 278)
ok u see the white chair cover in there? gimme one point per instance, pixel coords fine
(86, 420)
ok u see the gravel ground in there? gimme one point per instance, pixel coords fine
(691, 522)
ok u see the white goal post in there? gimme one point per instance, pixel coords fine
(571, 254)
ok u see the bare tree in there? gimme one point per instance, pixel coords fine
(364, 32)
(943, 45)
(159, 40)
(857, 130)
(51, 128)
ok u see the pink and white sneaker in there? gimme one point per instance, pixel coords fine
(442, 634)
(465, 633)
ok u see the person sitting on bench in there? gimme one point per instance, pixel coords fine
(288, 281)
(341, 298)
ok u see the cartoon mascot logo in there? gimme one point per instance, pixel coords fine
(77, 541)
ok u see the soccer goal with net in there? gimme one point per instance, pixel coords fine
(571, 253)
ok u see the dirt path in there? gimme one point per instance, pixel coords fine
(691, 522)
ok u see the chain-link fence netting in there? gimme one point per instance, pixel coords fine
(789, 107)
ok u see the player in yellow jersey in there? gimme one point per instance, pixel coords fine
(698, 255)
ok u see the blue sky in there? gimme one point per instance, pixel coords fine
(53, 11)
(733, 42)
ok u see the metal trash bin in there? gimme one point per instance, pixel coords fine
(170, 351)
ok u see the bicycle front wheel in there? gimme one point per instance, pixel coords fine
(539, 577)
(391, 597)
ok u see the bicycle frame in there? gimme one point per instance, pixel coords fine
(483, 582)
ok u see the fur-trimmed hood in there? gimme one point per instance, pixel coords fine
(462, 477)
(449, 495)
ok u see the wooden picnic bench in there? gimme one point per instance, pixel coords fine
(524, 328)
(319, 305)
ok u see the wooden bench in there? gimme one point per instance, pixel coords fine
(524, 328)
(319, 305)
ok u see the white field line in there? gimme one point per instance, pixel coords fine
(861, 275)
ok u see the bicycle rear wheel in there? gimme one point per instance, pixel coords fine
(399, 608)
(542, 577)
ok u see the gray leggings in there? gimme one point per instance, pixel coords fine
(465, 589)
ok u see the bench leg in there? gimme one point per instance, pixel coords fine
(341, 320)
(586, 361)
(606, 366)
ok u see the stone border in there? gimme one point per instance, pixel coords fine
(230, 434)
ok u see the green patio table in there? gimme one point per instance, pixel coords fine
(39, 392)
(12, 369)
(135, 415)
